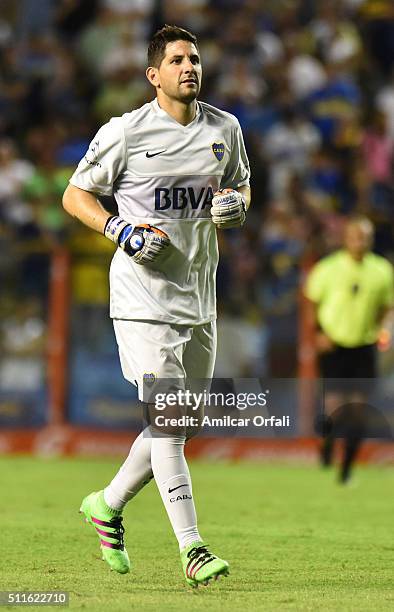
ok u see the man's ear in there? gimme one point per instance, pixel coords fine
(152, 74)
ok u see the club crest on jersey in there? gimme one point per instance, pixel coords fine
(218, 150)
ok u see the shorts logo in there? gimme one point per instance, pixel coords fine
(149, 378)
(218, 150)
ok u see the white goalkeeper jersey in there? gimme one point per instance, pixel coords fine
(165, 174)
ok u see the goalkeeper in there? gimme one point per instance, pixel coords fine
(178, 171)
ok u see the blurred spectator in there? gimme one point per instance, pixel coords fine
(337, 99)
(337, 39)
(378, 26)
(326, 186)
(14, 174)
(23, 329)
(14, 91)
(270, 47)
(35, 17)
(22, 362)
(98, 39)
(242, 344)
(128, 53)
(306, 75)
(72, 16)
(63, 95)
(288, 146)
(378, 151)
(385, 103)
(123, 84)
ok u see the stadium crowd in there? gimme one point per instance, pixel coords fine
(312, 84)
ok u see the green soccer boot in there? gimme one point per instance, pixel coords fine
(200, 565)
(110, 530)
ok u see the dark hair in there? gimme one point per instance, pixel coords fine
(157, 46)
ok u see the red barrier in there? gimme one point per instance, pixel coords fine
(58, 324)
(59, 440)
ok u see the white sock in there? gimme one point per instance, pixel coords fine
(134, 474)
(173, 481)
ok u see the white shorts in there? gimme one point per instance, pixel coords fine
(165, 351)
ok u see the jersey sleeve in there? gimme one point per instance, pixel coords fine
(315, 283)
(104, 160)
(237, 172)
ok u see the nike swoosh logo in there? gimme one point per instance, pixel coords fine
(154, 154)
(175, 488)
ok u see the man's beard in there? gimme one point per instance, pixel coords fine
(187, 98)
(189, 95)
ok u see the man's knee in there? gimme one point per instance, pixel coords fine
(195, 423)
(168, 422)
(174, 420)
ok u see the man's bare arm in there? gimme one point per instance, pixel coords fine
(322, 342)
(144, 243)
(84, 205)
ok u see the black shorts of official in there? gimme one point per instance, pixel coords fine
(349, 369)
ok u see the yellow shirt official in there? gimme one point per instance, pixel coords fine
(350, 296)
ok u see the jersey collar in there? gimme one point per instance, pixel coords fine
(162, 113)
(353, 261)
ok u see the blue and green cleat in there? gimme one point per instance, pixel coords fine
(200, 565)
(110, 530)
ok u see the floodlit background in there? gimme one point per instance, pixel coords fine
(312, 86)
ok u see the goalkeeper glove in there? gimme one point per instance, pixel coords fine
(144, 243)
(228, 209)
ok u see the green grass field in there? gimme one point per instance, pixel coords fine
(295, 540)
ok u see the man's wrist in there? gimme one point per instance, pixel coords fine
(114, 227)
